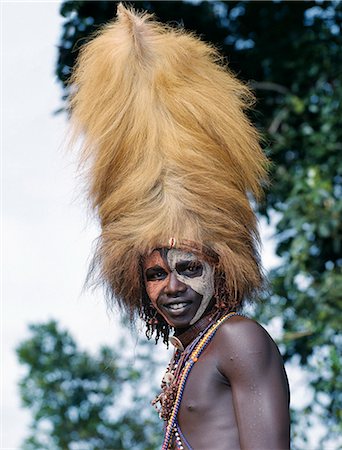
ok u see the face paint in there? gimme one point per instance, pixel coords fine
(202, 284)
(155, 279)
(179, 285)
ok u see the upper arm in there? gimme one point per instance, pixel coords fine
(251, 362)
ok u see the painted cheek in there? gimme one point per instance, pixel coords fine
(154, 288)
(203, 285)
(184, 280)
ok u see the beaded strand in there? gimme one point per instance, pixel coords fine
(202, 344)
(173, 374)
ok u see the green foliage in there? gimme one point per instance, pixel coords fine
(290, 53)
(305, 139)
(84, 402)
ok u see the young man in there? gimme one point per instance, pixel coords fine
(173, 160)
(236, 395)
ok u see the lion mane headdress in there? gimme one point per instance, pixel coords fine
(170, 154)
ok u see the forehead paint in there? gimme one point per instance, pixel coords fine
(203, 285)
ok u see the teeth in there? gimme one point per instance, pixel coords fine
(176, 306)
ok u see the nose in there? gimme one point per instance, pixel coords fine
(174, 286)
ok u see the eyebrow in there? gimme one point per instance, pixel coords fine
(188, 261)
(154, 268)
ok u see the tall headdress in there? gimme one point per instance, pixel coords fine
(170, 153)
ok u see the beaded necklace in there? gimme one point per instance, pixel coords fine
(172, 376)
(179, 370)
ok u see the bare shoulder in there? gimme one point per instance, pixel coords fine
(247, 357)
(243, 343)
(241, 331)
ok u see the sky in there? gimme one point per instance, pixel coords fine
(46, 233)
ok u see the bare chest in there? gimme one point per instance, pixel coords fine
(206, 416)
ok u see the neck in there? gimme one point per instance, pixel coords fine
(186, 336)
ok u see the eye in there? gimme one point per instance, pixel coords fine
(155, 274)
(190, 269)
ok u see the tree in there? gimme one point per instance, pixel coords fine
(289, 52)
(84, 402)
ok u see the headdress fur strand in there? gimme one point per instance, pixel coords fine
(170, 151)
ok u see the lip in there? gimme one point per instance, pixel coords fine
(177, 307)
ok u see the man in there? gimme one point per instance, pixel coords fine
(172, 161)
(236, 395)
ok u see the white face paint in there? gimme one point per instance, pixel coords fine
(203, 284)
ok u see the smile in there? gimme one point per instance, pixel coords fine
(177, 309)
(176, 306)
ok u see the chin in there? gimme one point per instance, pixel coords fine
(180, 311)
(178, 322)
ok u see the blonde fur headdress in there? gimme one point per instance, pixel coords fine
(170, 153)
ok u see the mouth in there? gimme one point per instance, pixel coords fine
(177, 308)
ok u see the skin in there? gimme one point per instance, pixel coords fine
(200, 281)
(176, 277)
(236, 396)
